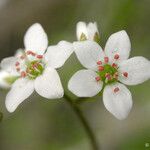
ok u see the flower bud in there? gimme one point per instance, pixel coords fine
(81, 31)
(87, 31)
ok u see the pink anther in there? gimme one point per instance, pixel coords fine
(97, 78)
(116, 90)
(99, 62)
(116, 56)
(106, 59)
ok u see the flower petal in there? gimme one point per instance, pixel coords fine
(88, 53)
(57, 55)
(21, 90)
(118, 43)
(3, 83)
(84, 84)
(19, 52)
(49, 85)
(92, 30)
(81, 28)
(8, 64)
(36, 39)
(118, 102)
(137, 68)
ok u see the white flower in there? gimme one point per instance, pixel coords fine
(109, 70)
(87, 31)
(36, 68)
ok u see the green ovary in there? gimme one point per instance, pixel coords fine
(34, 69)
(108, 69)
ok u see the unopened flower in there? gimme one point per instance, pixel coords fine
(109, 70)
(36, 68)
(87, 31)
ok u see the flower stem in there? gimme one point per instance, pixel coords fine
(84, 122)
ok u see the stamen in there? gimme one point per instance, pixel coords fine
(22, 57)
(99, 62)
(97, 78)
(18, 69)
(106, 59)
(116, 75)
(34, 66)
(114, 65)
(17, 64)
(116, 56)
(30, 53)
(100, 68)
(108, 76)
(125, 74)
(23, 74)
(39, 56)
(116, 90)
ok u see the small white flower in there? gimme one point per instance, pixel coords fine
(87, 31)
(36, 68)
(107, 70)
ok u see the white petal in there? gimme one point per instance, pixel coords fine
(81, 28)
(36, 39)
(19, 52)
(83, 84)
(21, 90)
(138, 69)
(88, 53)
(3, 83)
(92, 29)
(118, 103)
(118, 43)
(49, 85)
(57, 55)
(8, 64)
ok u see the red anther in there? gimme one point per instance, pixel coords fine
(116, 90)
(17, 63)
(106, 59)
(18, 69)
(29, 52)
(22, 57)
(125, 74)
(100, 68)
(116, 56)
(23, 74)
(39, 56)
(99, 63)
(114, 65)
(108, 76)
(33, 54)
(97, 78)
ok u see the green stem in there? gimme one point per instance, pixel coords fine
(84, 122)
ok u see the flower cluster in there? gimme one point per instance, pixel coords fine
(34, 68)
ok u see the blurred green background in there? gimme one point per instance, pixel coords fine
(40, 124)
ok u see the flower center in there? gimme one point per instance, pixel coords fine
(31, 68)
(34, 69)
(108, 72)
